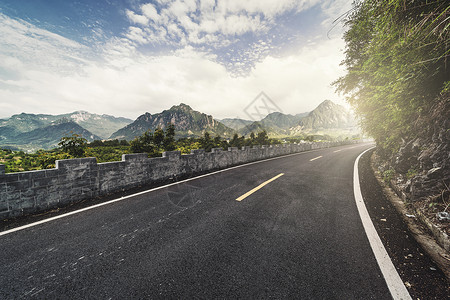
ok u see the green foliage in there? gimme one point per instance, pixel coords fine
(143, 143)
(108, 143)
(411, 173)
(396, 60)
(169, 138)
(74, 145)
(262, 138)
(154, 143)
(206, 142)
(112, 150)
(388, 175)
(47, 159)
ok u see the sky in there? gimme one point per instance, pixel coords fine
(128, 57)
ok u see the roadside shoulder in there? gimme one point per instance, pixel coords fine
(418, 229)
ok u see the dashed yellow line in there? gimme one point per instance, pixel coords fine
(316, 158)
(258, 187)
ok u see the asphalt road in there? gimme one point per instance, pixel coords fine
(299, 236)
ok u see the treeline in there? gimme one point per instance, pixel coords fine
(397, 65)
(153, 143)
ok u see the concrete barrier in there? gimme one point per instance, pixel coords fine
(73, 180)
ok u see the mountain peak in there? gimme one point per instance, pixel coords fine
(327, 115)
(181, 106)
(326, 104)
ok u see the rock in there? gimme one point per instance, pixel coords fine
(443, 216)
(434, 173)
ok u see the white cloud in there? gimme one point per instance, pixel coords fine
(136, 18)
(224, 17)
(127, 83)
(150, 12)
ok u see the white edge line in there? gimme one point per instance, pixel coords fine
(390, 274)
(144, 192)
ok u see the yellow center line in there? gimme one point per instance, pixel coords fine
(258, 187)
(316, 158)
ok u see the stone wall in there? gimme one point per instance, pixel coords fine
(79, 179)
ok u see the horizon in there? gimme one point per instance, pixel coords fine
(153, 113)
(128, 57)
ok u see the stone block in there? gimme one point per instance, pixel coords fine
(135, 157)
(216, 150)
(2, 188)
(3, 205)
(198, 151)
(17, 186)
(171, 154)
(74, 163)
(10, 177)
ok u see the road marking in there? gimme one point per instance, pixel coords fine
(337, 150)
(390, 274)
(148, 191)
(316, 158)
(258, 187)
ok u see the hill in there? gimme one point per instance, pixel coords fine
(235, 123)
(276, 124)
(327, 116)
(187, 121)
(101, 125)
(48, 137)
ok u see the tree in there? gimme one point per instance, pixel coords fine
(206, 142)
(169, 139)
(75, 145)
(396, 59)
(262, 138)
(235, 141)
(156, 142)
(158, 138)
(143, 143)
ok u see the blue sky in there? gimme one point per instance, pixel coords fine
(128, 57)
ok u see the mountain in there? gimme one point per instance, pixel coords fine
(101, 125)
(187, 121)
(23, 123)
(276, 124)
(235, 123)
(255, 127)
(49, 136)
(326, 116)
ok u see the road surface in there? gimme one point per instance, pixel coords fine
(296, 234)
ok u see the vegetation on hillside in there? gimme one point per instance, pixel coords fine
(152, 143)
(397, 65)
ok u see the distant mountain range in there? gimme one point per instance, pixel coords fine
(32, 132)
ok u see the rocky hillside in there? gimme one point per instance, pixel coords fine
(422, 163)
(327, 115)
(187, 121)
